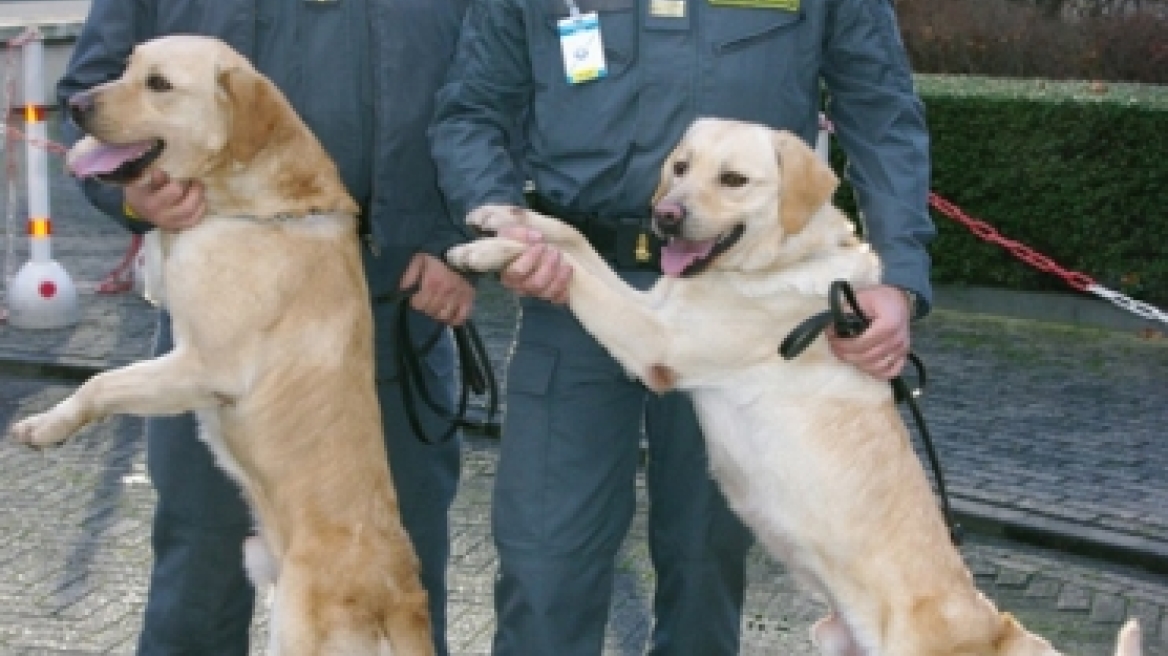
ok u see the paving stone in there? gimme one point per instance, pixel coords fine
(1074, 597)
(1043, 586)
(1012, 578)
(1108, 608)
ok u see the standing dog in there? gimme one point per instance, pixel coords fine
(273, 342)
(811, 453)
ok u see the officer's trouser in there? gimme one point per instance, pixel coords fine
(200, 601)
(564, 499)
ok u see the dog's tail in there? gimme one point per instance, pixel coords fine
(1128, 643)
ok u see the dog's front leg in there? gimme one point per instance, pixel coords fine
(493, 218)
(486, 255)
(622, 320)
(167, 385)
(617, 315)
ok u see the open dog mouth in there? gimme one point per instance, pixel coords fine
(116, 164)
(682, 257)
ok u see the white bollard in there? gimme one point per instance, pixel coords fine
(42, 294)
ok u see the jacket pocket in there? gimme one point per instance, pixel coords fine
(735, 28)
(762, 67)
(564, 114)
(618, 33)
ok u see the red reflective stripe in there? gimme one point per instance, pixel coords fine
(34, 113)
(40, 227)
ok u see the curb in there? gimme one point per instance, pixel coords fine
(70, 370)
(1110, 545)
(1082, 310)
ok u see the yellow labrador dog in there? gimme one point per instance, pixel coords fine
(273, 342)
(811, 453)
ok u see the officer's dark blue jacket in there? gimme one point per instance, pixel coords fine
(596, 147)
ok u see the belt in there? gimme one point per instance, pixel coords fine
(625, 242)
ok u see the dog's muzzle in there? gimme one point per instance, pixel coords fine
(81, 109)
(668, 218)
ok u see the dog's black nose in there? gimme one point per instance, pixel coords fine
(80, 108)
(669, 216)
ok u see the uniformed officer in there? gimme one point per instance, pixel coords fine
(604, 89)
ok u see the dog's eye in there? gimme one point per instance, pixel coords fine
(156, 82)
(732, 179)
(680, 167)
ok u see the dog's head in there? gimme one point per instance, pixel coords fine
(171, 108)
(731, 193)
(194, 108)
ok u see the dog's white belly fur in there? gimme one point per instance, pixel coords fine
(235, 358)
(786, 467)
(211, 433)
(763, 462)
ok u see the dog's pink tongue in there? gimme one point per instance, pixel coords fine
(106, 158)
(677, 254)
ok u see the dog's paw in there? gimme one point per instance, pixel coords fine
(485, 255)
(489, 219)
(41, 430)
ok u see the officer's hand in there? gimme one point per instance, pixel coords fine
(540, 271)
(442, 294)
(168, 204)
(882, 348)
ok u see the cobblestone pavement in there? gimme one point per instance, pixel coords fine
(1053, 439)
(74, 555)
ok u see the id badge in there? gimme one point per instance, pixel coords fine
(582, 47)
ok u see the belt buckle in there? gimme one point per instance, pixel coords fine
(636, 245)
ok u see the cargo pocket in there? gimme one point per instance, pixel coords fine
(522, 471)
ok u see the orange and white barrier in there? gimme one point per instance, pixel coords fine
(41, 294)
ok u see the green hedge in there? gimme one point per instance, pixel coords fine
(1077, 172)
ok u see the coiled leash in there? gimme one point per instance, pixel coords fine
(474, 365)
(850, 323)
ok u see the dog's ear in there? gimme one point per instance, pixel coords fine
(807, 182)
(253, 109)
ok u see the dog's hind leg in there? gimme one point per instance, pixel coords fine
(171, 384)
(408, 626)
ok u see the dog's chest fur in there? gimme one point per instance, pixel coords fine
(230, 284)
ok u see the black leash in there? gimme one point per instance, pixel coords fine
(477, 376)
(850, 323)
